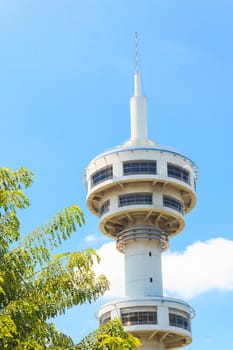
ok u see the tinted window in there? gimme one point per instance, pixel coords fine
(104, 207)
(173, 203)
(102, 175)
(179, 321)
(135, 198)
(178, 173)
(142, 317)
(139, 167)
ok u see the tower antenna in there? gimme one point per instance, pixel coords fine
(136, 53)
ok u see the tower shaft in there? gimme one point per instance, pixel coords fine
(143, 270)
(142, 247)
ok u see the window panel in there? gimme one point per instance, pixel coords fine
(102, 175)
(135, 198)
(139, 167)
(173, 203)
(105, 318)
(139, 317)
(178, 173)
(179, 321)
(104, 207)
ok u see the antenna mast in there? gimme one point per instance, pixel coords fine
(136, 53)
(138, 119)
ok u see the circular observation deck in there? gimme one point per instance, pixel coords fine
(159, 322)
(141, 185)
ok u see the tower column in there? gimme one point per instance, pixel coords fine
(142, 247)
(143, 271)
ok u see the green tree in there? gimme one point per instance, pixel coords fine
(109, 336)
(34, 285)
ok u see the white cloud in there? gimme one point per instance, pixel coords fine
(95, 239)
(112, 266)
(202, 267)
(91, 239)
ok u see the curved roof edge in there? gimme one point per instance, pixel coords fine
(152, 147)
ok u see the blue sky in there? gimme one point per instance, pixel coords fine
(66, 75)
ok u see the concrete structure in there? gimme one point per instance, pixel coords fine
(141, 192)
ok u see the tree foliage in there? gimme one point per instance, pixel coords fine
(109, 336)
(34, 285)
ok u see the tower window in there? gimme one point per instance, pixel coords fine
(150, 253)
(135, 198)
(139, 167)
(173, 203)
(151, 279)
(105, 318)
(179, 321)
(102, 175)
(104, 207)
(138, 317)
(178, 173)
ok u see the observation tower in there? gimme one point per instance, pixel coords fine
(141, 192)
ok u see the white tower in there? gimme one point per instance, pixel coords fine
(141, 191)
